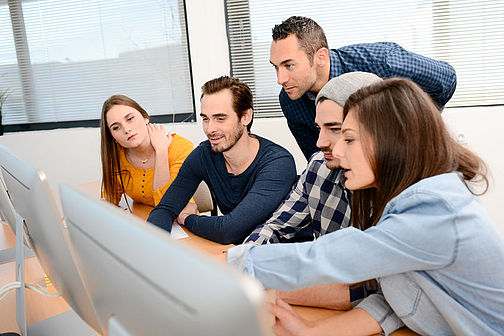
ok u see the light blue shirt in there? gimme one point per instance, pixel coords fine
(436, 253)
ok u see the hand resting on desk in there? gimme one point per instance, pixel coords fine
(190, 209)
(354, 322)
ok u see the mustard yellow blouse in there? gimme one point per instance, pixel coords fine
(138, 185)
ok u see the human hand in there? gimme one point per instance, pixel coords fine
(221, 256)
(190, 209)
(160, 141)
(288, 322)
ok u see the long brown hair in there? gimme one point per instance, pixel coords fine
(111, 167)
(402, 127)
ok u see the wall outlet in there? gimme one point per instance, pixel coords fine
(461, 137)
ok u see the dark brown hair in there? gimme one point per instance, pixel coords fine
(242, 96)
(402, 127)
(111, 167)
(310, 35)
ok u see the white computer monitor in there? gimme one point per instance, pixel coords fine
(9, 217)
(7, 211)
(143, 282)
(33, 201)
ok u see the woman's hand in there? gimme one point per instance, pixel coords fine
(160, 141)
(355, 322)
(288, 322)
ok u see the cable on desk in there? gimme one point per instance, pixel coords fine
(34, 287)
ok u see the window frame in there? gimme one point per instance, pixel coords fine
(26, 71)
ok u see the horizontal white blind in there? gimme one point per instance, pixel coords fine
(467, 34)
(61, 59)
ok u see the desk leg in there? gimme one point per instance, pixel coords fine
(20, 276)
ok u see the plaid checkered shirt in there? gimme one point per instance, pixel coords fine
(384, 59)
(318, 199)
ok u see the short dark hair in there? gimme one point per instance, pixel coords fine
(242, 96)
(310, 35)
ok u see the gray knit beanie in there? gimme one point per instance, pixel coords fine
(340, 88)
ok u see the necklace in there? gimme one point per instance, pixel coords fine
(134, 157)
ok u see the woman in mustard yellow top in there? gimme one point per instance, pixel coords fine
(147, 158)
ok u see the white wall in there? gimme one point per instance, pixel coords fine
(72, 155)
(481, 128)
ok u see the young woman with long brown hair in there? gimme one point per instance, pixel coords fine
(138, 158)
(419, 228)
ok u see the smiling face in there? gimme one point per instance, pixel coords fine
(353, 159)
(220, 122)
(127, 126)
(328, 118)
(295, 72)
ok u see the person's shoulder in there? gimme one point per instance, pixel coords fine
(268, 146)
(444, 191)
(181, 141)
(370, 47)
(271, 153)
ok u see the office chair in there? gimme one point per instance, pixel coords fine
(205, 200)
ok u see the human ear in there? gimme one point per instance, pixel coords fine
(247, 117)
(321, 57)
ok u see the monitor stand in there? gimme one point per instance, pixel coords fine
(9, 254)
(58, 325)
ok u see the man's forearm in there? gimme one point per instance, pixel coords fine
(332, 296)
(355, 322)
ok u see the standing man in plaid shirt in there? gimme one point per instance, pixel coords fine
(320, 201)
(304, 64)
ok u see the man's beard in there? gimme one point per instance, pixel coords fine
(221, 148)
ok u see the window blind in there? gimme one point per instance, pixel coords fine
(467, 34)
(61, 59)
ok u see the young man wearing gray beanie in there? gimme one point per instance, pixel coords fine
(319, 201)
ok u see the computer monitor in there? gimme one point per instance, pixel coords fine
(33, 201)
(8, 216)
(143, 282)
(7, 211)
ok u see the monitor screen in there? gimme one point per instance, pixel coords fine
(143, 282)
(33, 201)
